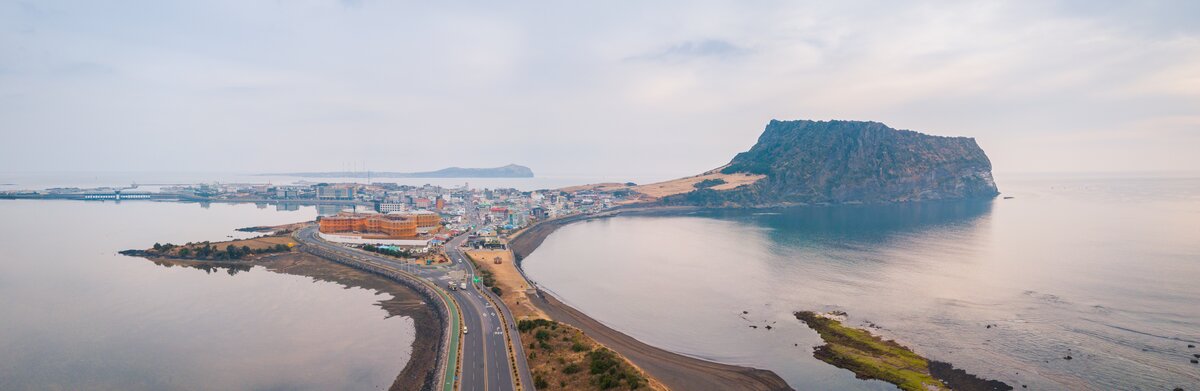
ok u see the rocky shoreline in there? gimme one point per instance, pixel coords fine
(674, 370)
(872, 357)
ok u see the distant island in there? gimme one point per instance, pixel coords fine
(807, 162)
(509, 171)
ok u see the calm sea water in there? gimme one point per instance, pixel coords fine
(1103, 269)
(75, 315)
(150, 181)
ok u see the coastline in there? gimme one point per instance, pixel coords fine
(524, 241)
(419, 372)
(871, 356)
(674, 370)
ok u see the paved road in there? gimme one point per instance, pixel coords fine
(484, 358)
(457, 257)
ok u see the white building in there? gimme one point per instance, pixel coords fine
(389, 207)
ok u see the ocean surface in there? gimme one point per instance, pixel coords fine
(1104, 269)
(153, 181)
(76, 315)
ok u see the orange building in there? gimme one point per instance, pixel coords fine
(396, 226)
(392, 225)
(425, 219)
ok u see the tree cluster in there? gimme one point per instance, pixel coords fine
(389, 251)
(205, 250)
(707, 183)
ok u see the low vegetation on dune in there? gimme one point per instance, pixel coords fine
(486, 277)
(561, 357)
(707, 183)
(219, 251)
(869, 356)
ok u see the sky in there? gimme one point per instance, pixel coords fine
(602, 88)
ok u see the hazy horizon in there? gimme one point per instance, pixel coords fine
(600, 90)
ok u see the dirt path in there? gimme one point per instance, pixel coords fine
(512, 284)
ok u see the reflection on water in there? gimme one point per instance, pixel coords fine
(1068, 267)
(77, 315)
(857, 225)
(208, 267)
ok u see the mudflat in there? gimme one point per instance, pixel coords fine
(419, 372)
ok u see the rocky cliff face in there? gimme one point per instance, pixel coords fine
(852, 162)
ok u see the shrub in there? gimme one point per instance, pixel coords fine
(540, 382)
(607, 381)
(602, 360)
(707, 183)
(571, 368)
(634, 380)
(526, 324)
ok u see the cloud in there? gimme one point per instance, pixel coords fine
(684, 51)
(599, 88)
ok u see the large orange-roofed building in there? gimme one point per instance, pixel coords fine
(392, 225)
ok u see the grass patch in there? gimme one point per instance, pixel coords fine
(569, 359)
(868, 356)
(707, 183)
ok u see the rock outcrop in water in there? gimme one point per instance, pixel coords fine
(809, 162)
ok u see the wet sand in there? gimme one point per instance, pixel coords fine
(674, 370)
(419, 372)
